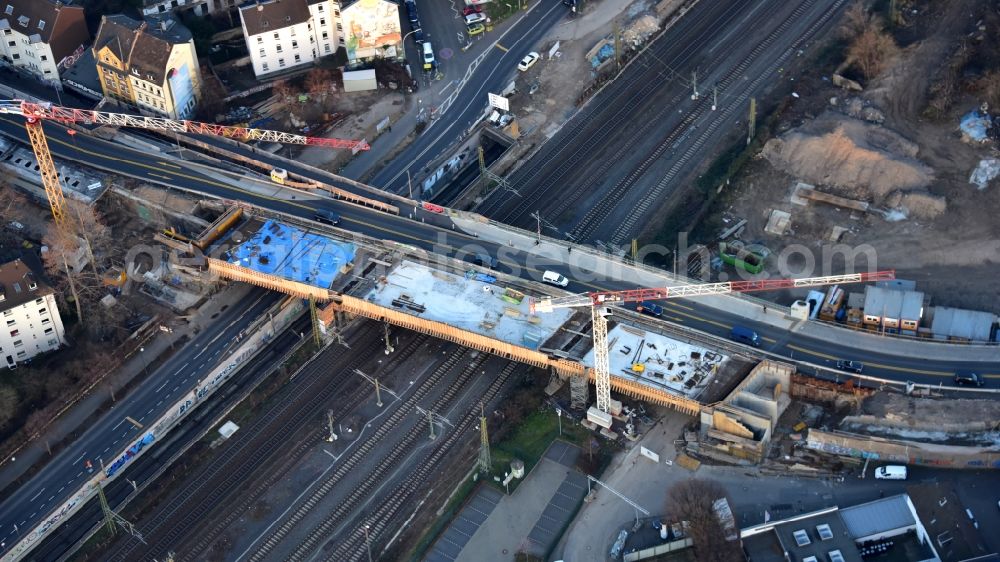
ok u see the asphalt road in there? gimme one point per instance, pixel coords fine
(65, 472)
(495, 70)
(883, 363)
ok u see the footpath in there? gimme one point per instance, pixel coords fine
(587, 264)
(12, 468)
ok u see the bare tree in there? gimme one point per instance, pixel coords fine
(8, 404)
(318, 81)
(989, 85)
(282, 88)
(857, 20)
(871, 51)
(87, 232)
(691, 500)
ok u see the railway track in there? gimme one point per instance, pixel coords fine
(322, 531)
(592, 129)
(732, 84)
(651, 197)
(353, 547)
(263, 439)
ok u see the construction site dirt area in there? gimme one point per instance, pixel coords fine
(910, 200)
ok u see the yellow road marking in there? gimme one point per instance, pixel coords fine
(678, 305)
(501, 47)
(168, 164)
(811, 352)
(160, 176)
(767, 339)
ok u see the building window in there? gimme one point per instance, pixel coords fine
(319, 8)
(260, 39)
(281, 63)
(327, 47)
(298, 58)
(326, 35)
(322, 21)
(340, 26)
(15, 333)
(295, 44)
(11, 323)
(263, 53)
(9, 10)
(21, 354)
(8, 312)
(48, 331)
(45, 320)
(275, 35)
(53, 342)
(15, 56)
(279, 47)
(45, 57)
(42, 310)
(263, 67)
(11, 43)
(7, 32)
(41, 24)
(336, 11)
(18, 343)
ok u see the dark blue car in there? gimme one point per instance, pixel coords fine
(650, 308)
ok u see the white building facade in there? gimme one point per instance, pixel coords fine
(31, 321)
(285, 34)
(38, 34)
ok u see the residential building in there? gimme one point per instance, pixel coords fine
(31, 322)
(888, 529)
(197, 7)
(282, 35)
(372, 30)
(148, 65)
(40, 35)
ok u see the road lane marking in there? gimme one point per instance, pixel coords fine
(81, 457)
(36, 495)
(769, 340)
(117, 424)
(162, 163)
(159, 176)
(706, 320)
(811, 352)
(162, 385)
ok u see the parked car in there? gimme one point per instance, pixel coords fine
(428, 55)
(327, 217)
(650, 308)
(968, 378)
(890, 472)
(850, 366)
(476, 29)
(528, 61)
(472, 10)
(555, 279)
(477, 17)
(16, 225)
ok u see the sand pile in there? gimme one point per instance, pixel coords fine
(854, 159)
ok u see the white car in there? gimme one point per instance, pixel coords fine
(472, 19)
(555, 279)
(528, 61)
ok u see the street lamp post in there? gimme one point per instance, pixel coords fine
(559, 416)
(145, 370)
(368, 542)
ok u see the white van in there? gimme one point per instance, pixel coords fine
(428, 55)
(892, 472)
(555, 279)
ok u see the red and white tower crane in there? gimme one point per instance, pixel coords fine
(34, 113)
(600, 310)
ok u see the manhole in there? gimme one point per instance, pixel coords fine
(445, 54)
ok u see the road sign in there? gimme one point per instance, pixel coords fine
(499, 102)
